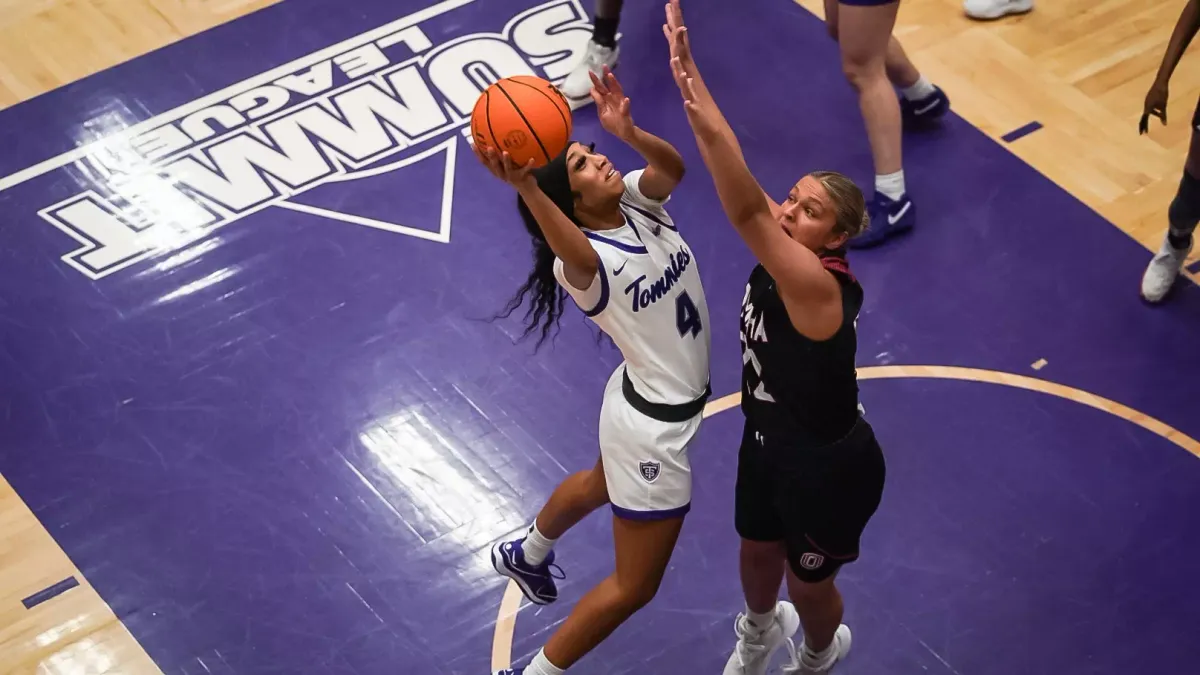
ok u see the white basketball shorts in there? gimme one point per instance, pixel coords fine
(645, 460)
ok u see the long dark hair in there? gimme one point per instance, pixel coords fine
(546, 298)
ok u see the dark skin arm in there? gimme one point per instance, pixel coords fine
(664, 168)
(580, 262)
(811, 294)
(1181, 37)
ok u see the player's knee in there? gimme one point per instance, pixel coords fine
(860, 71)
(637, 596)
(636, 593)
(811, 587)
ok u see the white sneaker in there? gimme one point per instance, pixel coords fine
(841, 643)
(754, 649)
(1163, 270)
(995, 9)
(578, 85)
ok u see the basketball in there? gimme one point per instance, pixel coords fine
(525, 116)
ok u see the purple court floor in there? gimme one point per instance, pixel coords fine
(266, 413)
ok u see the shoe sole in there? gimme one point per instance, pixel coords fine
(502, 570)
(892, 234)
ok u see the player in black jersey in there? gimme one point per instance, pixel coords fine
(810, 472)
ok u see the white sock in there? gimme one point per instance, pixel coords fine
(819, 660)
(760, 622)
(536, 546)
(540, 665)
(891, 185)
(919, 90)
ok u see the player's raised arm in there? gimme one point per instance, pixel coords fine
(681, 49)
(665, 166)
(800, 274)
(564, 238)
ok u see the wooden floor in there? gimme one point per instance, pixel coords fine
(1079, 67)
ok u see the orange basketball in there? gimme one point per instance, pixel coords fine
(525, 116)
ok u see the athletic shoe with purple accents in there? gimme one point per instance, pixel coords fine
(535, 581)
(889, 217)
(926, 110)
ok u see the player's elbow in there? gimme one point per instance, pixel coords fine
(676, 171)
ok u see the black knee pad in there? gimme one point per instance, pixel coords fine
(1184, 211)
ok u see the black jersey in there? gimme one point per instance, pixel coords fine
(800, 390)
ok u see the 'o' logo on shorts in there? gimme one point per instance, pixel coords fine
(649, 471)
(811, 561)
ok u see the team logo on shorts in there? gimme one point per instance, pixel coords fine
(811, 561)
(649, 471)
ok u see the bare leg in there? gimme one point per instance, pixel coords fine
(1182, 217)
(643, 549)
(573, 499)
(900, 70)
(820, 608)
(864, 33)
(762, 565)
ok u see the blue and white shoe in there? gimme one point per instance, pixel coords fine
(889, 217)
(924, 111)
(511, 671)
(535, 581)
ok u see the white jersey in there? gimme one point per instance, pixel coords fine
(648, 298)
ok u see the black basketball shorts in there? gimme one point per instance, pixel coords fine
(817, 501)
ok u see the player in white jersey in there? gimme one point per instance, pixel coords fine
(607, 240)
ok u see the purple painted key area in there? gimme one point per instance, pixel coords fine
(285, 444)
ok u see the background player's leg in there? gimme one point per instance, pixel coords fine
(602, 50)
(527, 560)
(1182, 215)
(643, 549)
(900, 70)
(863, 35)
(922, 101)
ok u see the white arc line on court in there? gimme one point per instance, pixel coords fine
(510, 604)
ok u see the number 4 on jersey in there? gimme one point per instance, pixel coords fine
(687, 317)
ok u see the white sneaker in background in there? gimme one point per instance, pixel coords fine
(578, 85)
(1163, 271)
(995, 9)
